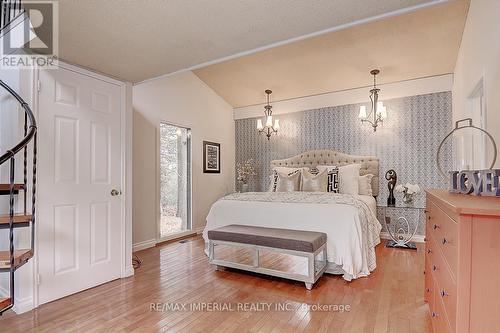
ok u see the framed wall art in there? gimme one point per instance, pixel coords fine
(211, 157)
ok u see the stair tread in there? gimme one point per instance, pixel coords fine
(18, 218)
(20, 257)
(6, 187)
(4, 302)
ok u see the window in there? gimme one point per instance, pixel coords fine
(175, 180)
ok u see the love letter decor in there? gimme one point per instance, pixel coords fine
(476, 182)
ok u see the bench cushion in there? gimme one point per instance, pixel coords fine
(296, 240)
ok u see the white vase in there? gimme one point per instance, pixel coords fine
(244, 188)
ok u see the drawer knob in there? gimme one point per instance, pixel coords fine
(444, 241)
(434, 314)
(428, 290)
(429, 251)
(444, 293)
(434, 268)
(436, 226)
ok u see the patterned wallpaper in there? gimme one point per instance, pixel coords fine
(407, 141)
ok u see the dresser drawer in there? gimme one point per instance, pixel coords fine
(430, 248)
(429, 286)
(440, 323)
(445, 289)
(444, 230)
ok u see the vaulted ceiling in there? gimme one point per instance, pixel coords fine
(417, 44)
(137, 40)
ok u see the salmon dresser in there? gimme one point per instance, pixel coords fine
(462, 262)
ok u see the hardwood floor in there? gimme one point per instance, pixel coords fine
(389, 300)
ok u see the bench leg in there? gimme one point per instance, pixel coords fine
(309, 285)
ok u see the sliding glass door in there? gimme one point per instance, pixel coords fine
(175, 180)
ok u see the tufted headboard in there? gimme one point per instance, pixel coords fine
(369, 164)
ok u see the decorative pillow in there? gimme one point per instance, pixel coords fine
(348, 177)
(365, 184)
(314, 182)
(289, 169)
(314, 171)
(333, 181)
(332, 176)
(286, 182)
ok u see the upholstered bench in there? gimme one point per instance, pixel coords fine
(255, 240)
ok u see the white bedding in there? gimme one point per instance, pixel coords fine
(351, 226)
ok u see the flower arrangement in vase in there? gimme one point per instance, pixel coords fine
(408, 190)
(245, 171)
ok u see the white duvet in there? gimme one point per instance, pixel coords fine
(349, 221)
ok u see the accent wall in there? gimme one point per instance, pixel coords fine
(407, 141)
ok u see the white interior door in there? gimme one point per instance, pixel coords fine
(79, 220)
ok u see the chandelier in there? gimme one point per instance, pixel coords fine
(271, 127)
(378, 110)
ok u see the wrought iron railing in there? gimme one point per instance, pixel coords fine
(9, 10)
(30, 135)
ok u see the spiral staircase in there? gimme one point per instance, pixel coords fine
(17, 192)
(13, 259)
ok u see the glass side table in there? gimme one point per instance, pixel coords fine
(397, 222)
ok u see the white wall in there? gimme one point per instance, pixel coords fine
(406, 88)
(479, 57)
(185, 100)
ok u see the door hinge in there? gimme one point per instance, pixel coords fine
(39, 86)
(38, 279)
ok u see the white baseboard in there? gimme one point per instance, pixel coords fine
(143, 245)
(152, 242)
(416, 238)
(20, 306)
(128, 271)
(24, 305)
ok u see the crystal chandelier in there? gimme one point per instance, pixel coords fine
(271, 127)
(378, 110)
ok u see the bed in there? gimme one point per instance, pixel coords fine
(349, 221)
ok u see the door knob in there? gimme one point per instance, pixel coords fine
(115, 193)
